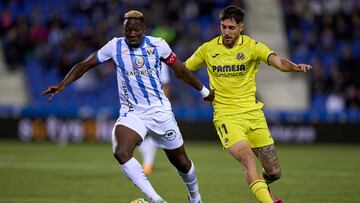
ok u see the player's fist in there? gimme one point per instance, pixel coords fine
(302, 67)
(52, 90)
(210, 96)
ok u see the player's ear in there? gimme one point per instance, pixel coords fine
(144, 28)
(242, 26)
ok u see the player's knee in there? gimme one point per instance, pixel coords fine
(122, 155)
(183, 168)
(273, 175)
(182, 165)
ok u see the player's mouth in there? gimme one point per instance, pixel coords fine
(133, 41)
(227, 38)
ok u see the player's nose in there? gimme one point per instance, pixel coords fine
(133, 33)
(227, 32)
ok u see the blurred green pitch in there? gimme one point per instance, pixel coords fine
(47, 172)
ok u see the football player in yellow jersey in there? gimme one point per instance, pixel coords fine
(232, 60)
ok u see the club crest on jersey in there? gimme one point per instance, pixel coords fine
(138, 61)
(150, 51)
(240, 56)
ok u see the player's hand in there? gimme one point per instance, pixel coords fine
(52, 90)
(302, 67)
(211, 96)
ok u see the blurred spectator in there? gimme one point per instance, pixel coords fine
(327, 33)
(48, 37)
(335, 102)
(352, 98)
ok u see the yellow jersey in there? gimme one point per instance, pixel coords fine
(231, 73)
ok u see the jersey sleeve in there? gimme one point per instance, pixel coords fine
(197, 60)
(164, 74)
(262, 52)
(165, 53)
(105, 53)
(165, 50)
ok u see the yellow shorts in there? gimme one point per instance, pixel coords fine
(250, 126)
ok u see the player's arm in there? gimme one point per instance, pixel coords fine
(285, 65)
(164, 77)
(75, 73)
(181, 72)
(167, 90)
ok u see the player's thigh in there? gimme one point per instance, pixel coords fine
(134, 127)
(263, 146)
(230, 131)
(260, 137)
(242, 151)
(259, 134)
(165, 132)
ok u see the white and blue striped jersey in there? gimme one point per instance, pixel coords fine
(164, 74)
(138, 73)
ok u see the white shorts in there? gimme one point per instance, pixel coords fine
(161, 126)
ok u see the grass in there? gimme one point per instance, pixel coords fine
(46, 172)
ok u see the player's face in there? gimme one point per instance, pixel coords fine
(134, 30)
(230, 31)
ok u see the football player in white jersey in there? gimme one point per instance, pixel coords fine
(144, 109)
(147, 149)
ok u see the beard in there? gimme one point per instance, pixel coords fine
(229, 41)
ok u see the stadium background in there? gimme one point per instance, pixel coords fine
(42, 40)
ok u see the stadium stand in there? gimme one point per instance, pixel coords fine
(46, 38)
(265, 23)
(13, 86)
(327, 34)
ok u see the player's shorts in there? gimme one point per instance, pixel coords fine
(250, 126)
(161, 126)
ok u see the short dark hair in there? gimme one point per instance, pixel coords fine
(232, 12)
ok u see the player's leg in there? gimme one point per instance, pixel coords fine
(242, 152)
(232, 133)
(148, 151)
(169, 138)
(186, 170)
(271, 167)
(270, 162)
(124, 140)
(262, 143)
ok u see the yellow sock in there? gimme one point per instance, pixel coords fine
(261, 192)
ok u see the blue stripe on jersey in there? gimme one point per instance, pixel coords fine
(122, 67)
(139, 80)
(152, 80)
(158, 62)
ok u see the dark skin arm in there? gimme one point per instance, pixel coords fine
(181, 72)
(80, 68)
(75, 73)
(167, 90)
